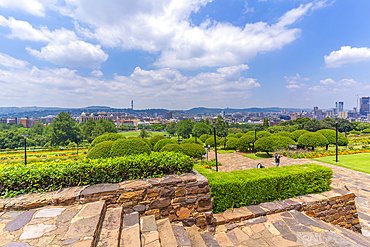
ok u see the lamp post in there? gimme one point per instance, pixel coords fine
(195, 130)
(255, 138)
(77, 144)
(336, 141)
(25, 149)
(225, 139)
(214, 135)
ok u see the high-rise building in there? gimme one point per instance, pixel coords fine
(338, 107)
(364, 105)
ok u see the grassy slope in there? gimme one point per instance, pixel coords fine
(357, 162)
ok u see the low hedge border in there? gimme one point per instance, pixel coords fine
(50, 176)
(255, 186)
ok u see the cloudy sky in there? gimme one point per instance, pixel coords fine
(179, 54)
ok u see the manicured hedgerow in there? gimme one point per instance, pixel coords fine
(172, 148)
(100, 150)
(129, 147)
(254, 186)
(50, 176)
(161, 143)
(192, 140)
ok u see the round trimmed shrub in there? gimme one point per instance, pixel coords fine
(129, 146)
(330, 135)
(296, 134)
(193, 150)
(155, 139)
(250, 132)
(192, 140)
(312, 140)
(172, 148)
(284, 133)
(100, 150)
(147, 142)
(245, 142)
(366, 131)
(355, 132)
(238, 135)
(161, 143)
(232, 143)
(203, 137)
(273, 143)
(231, 135)
(106, 137)
(211, 141)
(261, 134)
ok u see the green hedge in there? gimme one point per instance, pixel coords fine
(193, 150)
(246, 187)
(106, 137)
(161, 143)
(50, 176)
(101, 150)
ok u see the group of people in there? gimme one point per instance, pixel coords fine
(277, 161)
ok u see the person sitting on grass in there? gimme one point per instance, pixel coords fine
(277, 159)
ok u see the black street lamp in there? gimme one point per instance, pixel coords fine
(336, 141)
(225, 139)
(214, 134)
(77, 144)
(195, 130)
(25, 149)
(255, 138)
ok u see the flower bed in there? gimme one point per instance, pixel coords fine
(364, 149)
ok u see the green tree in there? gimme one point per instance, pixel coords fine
(144, 133)
(202, 128)
(104, 126)
(221, 126)
(272, 143)
(296, 134)
(63, 129)
(88, 130)
(266, 122)
(330, 135)
(185, 128)
(36, 130)
(312, 140)
(172, 128)
(11, 139)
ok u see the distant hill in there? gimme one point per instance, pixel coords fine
(35, 111)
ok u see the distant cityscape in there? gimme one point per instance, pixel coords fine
(130, 117)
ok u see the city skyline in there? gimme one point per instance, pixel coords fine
(184, 54)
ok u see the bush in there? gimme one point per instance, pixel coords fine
(272, 143)
(106, 137)
(284, 133)
(49, 176)
(161, 143)
(100, 150)
(211, 141)
(355, 132)
(193, 150)
(155, 139)
(129, 147)
(296, 134)
(173, 148)
(254, 186)
(330, 135)
(231, 136)
(261, 134)
(366, 131)
(232, 143)
(312, 140)
(245, 142)
(147, 141)
(192, 140)
(238, 135)
(204, 137)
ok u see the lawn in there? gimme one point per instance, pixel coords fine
(257, 156)
(225, 151)
(357, 162)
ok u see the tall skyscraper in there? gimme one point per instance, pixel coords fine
(340, 107)
(132, 104)
(364, 105)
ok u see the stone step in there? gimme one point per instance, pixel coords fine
(130, 233)
(181, 236)
(166, 235)
(195, 237)
(149, 232)
(209, 239)
(111, 228)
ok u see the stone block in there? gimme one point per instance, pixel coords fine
(180, 192)
(160, 203)
(98, 190)
(308, 199)
(167, 191)
(171, 180)
(131, 196)
(28, 201)
(182, 213)
(271, 207)
(66, 196)
(237, 214)
(133, 185)
(187, 178)
(332, 195)
(256, 210)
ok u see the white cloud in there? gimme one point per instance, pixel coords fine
(166, 87)
(64, 47)
(295, 79)
(328, 81)
(166, 27)
(293, 87)
(97, 73)
(316, 88)
(32, 7)
(347, 55)
(11, 62)
(247, 9)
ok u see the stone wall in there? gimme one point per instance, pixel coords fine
(185, 197)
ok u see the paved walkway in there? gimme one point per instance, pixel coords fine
(355, 181)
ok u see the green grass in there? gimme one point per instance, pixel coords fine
(257, 156)
(225, 151)
(357, 162)
(136, 133)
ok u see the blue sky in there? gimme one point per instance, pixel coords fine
(179, 54)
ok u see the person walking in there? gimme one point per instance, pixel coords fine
(277, 159)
